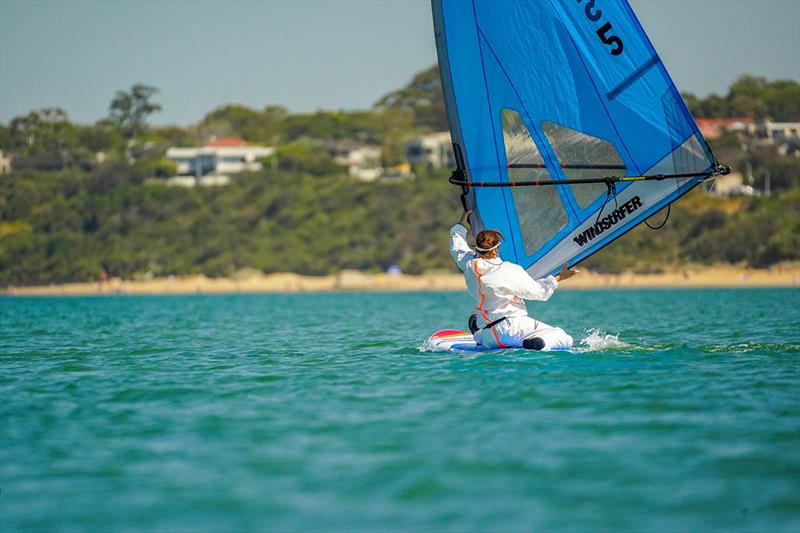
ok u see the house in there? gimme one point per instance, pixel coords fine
(713, 128)
(779, 133)
(434, 150)
(362, 161)
(212, 163)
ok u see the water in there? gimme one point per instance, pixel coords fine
(679, 412)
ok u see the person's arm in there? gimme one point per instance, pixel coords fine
(459, 248)
(542, 289)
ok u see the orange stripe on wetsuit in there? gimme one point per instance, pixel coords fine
(480, 308)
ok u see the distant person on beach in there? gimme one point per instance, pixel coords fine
(498, 288)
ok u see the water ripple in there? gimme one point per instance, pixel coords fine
(258, 412)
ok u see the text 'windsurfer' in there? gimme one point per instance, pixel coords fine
(605, 223)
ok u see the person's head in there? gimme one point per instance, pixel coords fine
(488, 243)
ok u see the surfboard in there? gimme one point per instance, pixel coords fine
(455, 340)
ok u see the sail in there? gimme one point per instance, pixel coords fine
(562, 91)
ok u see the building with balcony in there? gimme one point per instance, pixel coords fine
(219, 158)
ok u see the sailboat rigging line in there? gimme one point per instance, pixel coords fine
(612, 192)
(669, 208)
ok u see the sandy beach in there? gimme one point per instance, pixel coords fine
(721, 276)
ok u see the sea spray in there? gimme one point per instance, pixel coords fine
(597, 340)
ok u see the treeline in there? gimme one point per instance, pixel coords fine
(47, 140)
(87, 207)
(704, 230)
(76, 226)
(751, 97)
(81, 226)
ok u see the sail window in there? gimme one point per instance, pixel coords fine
(584, 156)
(540, 213)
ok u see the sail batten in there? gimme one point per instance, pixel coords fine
(562, 112)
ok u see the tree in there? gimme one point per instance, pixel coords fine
(5, 137)
(747, 85)
(131, 109)
(783, 100)
(423, 97)
(45, 138)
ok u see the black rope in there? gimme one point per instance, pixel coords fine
(669, 207)
(611, 192)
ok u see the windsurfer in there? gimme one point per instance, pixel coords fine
(499, 288)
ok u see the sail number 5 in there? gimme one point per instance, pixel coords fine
(594, 15)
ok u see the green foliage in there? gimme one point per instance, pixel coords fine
(104, 137)
(241, 121)
(756, 232)
(75, 225)
(765, 232)
(5, 137)
(130, 109)
(752, 97)
(783, 171)
(159, 167)
(422, 97)
(304, 214)
(172, 136)
(83, 224)
(306, 155)
(274, 125)
(46, 132)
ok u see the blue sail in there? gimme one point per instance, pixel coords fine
(562, 90)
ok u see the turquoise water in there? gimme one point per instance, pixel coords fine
(680, 412)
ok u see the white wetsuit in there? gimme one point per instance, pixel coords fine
(499, 288)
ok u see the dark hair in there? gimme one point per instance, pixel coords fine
(488, 238)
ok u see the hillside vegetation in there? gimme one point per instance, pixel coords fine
(70, 217)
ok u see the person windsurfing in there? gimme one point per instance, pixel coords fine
(499, 289)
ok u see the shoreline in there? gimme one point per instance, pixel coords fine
(787, 276)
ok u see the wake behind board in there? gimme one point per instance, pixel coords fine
(454, 340)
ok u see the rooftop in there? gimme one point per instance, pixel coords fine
(226, 142)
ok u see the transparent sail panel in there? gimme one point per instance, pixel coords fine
(576, 149)
(689, 157)
(540, 213)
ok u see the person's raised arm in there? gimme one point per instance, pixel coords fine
(459, 248)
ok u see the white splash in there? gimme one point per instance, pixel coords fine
(597, 340)
(426, 346)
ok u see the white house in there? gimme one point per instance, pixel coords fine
(434, 150)
(362, 161)
(219, 158)
(778, 132)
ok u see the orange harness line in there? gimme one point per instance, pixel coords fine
(480, 308)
